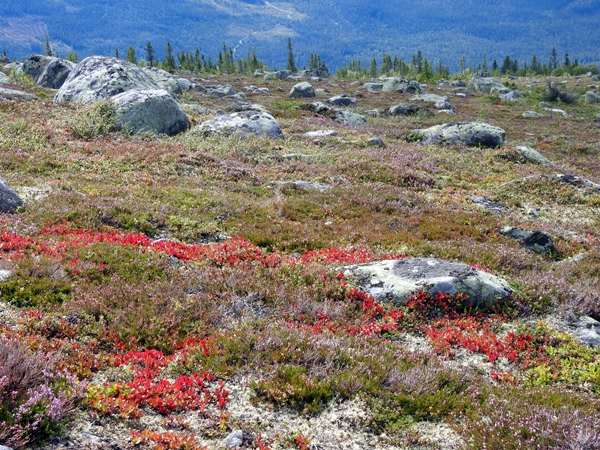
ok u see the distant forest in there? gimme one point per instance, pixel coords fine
(340, 32)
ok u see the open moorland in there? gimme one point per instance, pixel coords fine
(192, 292)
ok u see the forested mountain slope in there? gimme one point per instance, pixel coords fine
(337, 30)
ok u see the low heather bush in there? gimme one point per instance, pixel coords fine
(34, 399)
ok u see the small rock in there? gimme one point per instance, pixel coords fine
(376, 113)
(544, 104)
(350, 118)
(531, 115)
(576, 181)
(511, 96)
(319, 107)
(533, 155)
(220, 90)
(533, 213)
(375, 141)
(484, 82)
(306, 185)
(406, 109)
(429, 98)
(488, 204)
(558, 111)
(5, 275)
(588, 331)
(342, 100)
(460, 133)
(234, 439)
(320, 133)
(461, 95)
(597, 118)
(9, 200)
(302, 90)
(535, 241)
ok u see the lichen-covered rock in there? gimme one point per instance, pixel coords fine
(320, 133)
(302, 90)
(242, 123)
(592, 97)
(461, 133)
(55, 73)
(342, 100)
(535, 241)
(220, 90)
(429, 98)
(406, 109)
(396, 84)
(533, 155)
(484, 82)
(4, 79)
(511, 96)
(150, 110)
(349, 118)
(34, 65)
(100, 77)
(165, 80)
(531, 115)
(588, 331)
(373, 87)
(9, 200)
(396, 280)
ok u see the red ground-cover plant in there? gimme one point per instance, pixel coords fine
(166, 440)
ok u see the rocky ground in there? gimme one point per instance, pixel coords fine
(300, 263)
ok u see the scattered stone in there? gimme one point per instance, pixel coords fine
(234, 439)
(14, 92)
(531, 115)
(4, 276)
(576, 181)
(220, 90)
(9, 200)
(100, 77)
(499, 90)
(396, 84)
(373, 87)
(150, 110)
(544, 104)
(511, 96)
(306, 185)
(192, 109)
(302, 90)
(243, 123)
(484, 82)
(342, 100)
(446, 106)
(488, 204)
(321, 91)
(396, 280)
(533, 213)
(533, 155)
(320, 133)
(376, 113)
(558, 111)
(376, 141)
(4, 79)
(319, 107)
(461, 94)
(166, 81)
(458, 84)
(597, 118)
(245, 106)
(429, 98)
(588, 331)
(460, 133)
(592, 97)
(349, 118)
(535, 241)
(406, 109)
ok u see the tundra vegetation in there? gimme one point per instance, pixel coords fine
(151, 285)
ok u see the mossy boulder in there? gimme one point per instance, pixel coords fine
(243, 123)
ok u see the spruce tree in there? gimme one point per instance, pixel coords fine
(47, 47)
(117, 53)
(169, 59)
(131, 56)
(291, 64)
(149, 54)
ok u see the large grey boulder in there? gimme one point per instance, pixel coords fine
(55, 73)
(460, 133)
(242, 123)
(396, 84)
(396, 280)
(34, 65)
(302, 90)
(100, 77)
(535, 241)
(150, 110)
(406, 109)
(349, 118)
(9, 200)
(373, 87)
(342, 100)
(165, 80)
(511, 96)
(484, 82)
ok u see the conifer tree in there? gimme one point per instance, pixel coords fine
(117, 53)
(169, 59)
(131, 56)
(47, 47)
(291, 63)
(149, 54)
